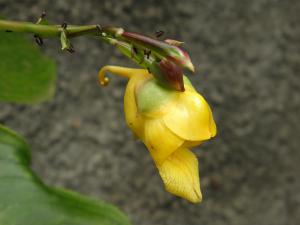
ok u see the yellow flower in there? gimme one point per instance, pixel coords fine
(169, 123)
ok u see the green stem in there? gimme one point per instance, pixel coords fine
(107, 34)
(48, 31)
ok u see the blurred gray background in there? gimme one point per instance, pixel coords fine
(247, 56)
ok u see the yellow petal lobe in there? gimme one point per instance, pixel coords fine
(160, 141)
(212, 124)
(180, 175)
(189, 117)
(133, 118)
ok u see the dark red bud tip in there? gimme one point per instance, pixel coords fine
(173, 74)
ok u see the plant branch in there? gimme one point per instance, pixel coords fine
(49, 31)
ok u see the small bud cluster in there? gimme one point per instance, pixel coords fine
(164, 59)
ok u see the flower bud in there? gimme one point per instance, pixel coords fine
(167, 72)
(160, 48)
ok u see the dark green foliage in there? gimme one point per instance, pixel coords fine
(26, 76)
(25, 200)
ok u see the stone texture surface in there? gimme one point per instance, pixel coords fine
(247, 55)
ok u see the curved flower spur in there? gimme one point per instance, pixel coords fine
(163, 109)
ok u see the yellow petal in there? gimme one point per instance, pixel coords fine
(160, 141)
(180, 175)
(212, 124)
(133, 118)
(189, 118)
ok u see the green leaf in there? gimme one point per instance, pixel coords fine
(25, 200)
(26, 76)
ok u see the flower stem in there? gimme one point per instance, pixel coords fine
(48, 31)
